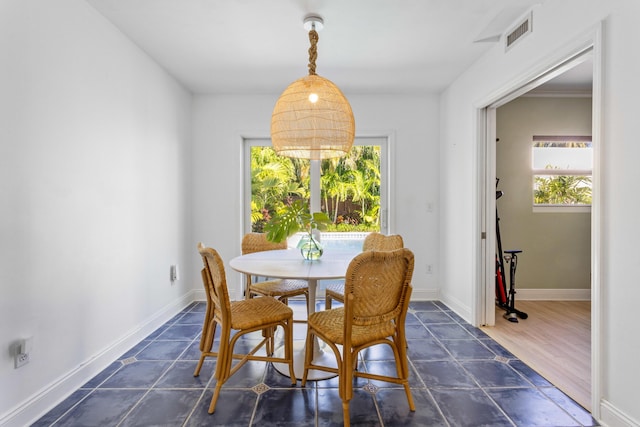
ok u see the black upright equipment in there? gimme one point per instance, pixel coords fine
(506, 300)
(501, 282)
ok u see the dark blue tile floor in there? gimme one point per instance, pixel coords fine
(459, 377)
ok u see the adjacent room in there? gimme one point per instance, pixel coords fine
(553, 232)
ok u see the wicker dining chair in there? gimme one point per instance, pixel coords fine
(373, 242)
(242, 317)
(206, 339)
(378, 288)
(282, 289)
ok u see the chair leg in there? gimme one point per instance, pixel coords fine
(200, 362)
(308, 356)
(327, 302)
(403, 370)
(205, 330)
(223, 365)
(288, 349)
(407, 390)
(247, 289)
(269, 333)
(346, 382)
(306, 297)
(345, 414)
(214, 399)
(206, 343)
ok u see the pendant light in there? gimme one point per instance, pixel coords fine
(312, 119)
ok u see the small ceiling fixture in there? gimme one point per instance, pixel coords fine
(312, 119)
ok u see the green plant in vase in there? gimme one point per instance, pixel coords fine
(296, 217)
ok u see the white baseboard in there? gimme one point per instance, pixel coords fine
(425, 295)
(51, 395)
(553, 294)
(457, 306)
(199, 295)
(611, 416)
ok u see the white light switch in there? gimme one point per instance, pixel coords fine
(174, 273)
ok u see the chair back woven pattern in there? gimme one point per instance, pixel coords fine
(210, 313)
(379, 282)
(381, 242)
(257, 242)
(373, 242)
(218, 289)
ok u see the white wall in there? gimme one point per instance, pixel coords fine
(557, 26)
(93, 159)
(220, 123)
(95, 167)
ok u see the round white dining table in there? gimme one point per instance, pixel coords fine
(289, 264)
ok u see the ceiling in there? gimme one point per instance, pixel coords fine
(260, 46)
(576, 80)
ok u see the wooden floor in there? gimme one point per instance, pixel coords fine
(555, 340)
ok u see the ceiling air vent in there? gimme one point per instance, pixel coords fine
(519, 32)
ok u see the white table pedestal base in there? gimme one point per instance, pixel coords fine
(320, 357)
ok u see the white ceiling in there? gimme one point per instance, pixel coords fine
(260, 46)
(578, 79)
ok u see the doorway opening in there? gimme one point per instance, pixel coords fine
(587, 53)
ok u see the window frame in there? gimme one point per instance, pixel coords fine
(381, 141)
(535, 172)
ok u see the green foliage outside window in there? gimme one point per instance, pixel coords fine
(562, 170)
(562, 190)
(350, 187)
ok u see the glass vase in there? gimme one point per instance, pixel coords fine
(310, 248)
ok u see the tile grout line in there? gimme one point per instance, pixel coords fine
(173, 362)
(517, 372)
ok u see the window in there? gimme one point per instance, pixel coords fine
(352, 188)
(561, 168)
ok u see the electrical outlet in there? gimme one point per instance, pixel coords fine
(429, 269)
(21, 359)
(173, 273)
(429, 207)
(22, 352)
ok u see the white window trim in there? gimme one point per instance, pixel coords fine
(385, 176)
(539, 208)
(562, 209)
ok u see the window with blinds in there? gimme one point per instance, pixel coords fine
(561, 169)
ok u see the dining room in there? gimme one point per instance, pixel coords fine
(113, 168)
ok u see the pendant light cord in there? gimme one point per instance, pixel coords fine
(313, 51)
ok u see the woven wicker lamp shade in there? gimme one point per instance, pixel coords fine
(312, 119)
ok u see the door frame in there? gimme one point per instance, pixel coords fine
(589, 45)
